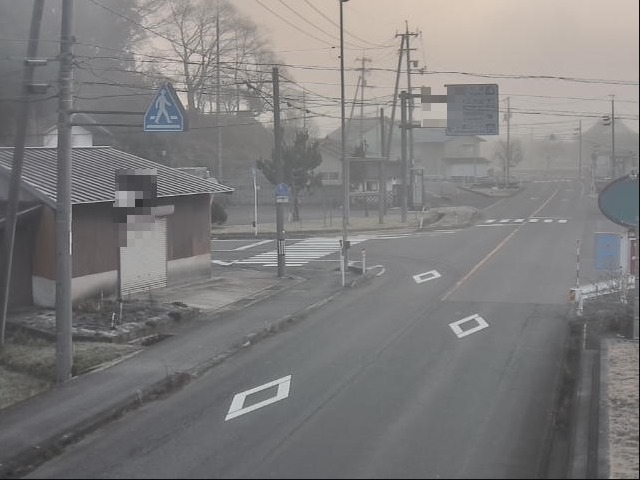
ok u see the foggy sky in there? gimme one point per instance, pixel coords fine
(592, 39)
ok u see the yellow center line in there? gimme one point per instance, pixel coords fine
(495, 250)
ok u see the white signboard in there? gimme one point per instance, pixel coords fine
(472, 109)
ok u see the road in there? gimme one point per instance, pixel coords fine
(445, 366)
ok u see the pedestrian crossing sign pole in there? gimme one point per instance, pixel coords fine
(165, 112)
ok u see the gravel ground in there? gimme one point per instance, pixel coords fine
(622, 361)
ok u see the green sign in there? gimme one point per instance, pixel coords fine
(618, 201)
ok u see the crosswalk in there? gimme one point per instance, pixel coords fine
(302, 252)
(520, 221)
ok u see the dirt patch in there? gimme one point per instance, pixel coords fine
(100, 335)
(105, 321)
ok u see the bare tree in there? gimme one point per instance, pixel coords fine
(501, 154)
(197, 40)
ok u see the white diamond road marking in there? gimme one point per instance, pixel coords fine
(237, 407)
(425, 277)
(303, 252)
(481, 324)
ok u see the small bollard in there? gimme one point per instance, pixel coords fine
(364, 262)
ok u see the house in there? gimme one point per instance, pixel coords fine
(596, 143)
(87, 135)
(455, 157)
(175, 246)
(434, 153)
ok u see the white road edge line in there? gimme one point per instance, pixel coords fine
(251, 245)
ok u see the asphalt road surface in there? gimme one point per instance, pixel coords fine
(447, 365)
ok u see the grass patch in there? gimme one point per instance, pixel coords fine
(37, 358)
(16, 387)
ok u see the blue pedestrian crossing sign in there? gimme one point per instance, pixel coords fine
(165, 113)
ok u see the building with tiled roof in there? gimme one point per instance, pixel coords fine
(174, 247)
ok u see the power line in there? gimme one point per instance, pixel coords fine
(292, 25)
(344, 30)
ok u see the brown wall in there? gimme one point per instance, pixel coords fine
(21, 290)
(44, 259)
(95, 241)
(189, 228)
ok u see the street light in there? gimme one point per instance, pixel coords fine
(345, 168)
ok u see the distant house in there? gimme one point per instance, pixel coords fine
(176, 245)
(434, 153)
(455, 157)
(81, 136)
(596, 140)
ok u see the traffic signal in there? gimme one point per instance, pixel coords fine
(606, 120)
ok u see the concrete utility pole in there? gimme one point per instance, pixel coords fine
(13, 199)
(410, 113)
(613, 140)
(218, 103)
(345, 165)
(580, 150)
(508, 152)
(363, 76)
(64, 312)
(395, 97)
(382, 187)
(277, 160)
(403, 137)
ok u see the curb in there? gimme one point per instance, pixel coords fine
(32, 457)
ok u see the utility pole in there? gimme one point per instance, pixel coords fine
(508, 152)
(218, 103)
(382, 188)
(613, 140)
(395, 96)
(345, 165)
(13, 199)
(277, 154)
(363, 83)
(64, 312)
(304, 110)
(403, 137)
(580, 150)
(410, 107)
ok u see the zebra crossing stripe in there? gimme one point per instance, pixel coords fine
(534, 220)
(562, 221)
(490, 221)
(302, 252)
